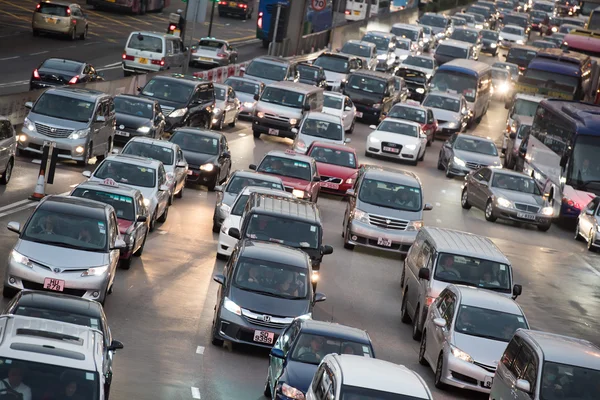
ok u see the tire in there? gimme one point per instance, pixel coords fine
(416, 333)
(348, 246)
(403, 277)
(9, 292)
(153, 223)
(88, 155)
(403, 312)
(544, 227)
(577, 234)
(429, 142)
(73, 35)
(464, 199)
(109, 148)
(489, 212)
(221, 122)
(449, 174)
(211, 185)
(165, 214)
(234, 122)
(179, 194)
(267, 391)
(143, 8)
(35, 33)
(590, 241)
(216, 227)
(367, 154)
(215, 340)
(422, 349)
(438, 373)
(351, 130)
(140, 251)
(7, 172)
(256, 134)
(423, 156)
(440, 166)
(125, 264)
(83, 36)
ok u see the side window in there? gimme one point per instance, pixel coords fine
(5, 131)
(323, 388)
(453, 138)
(169, 47)
(485, 83)
(531, 371)
(140, 205)
(430, 117)
(442, 302)
(161, 176)
(523, 358)
(591, 206)
(551, 130)
(423, 256)
(511, 352)
(316, 383)
(448, 314)
(486, 174)
(86, 70)
(113, 232)
(176, 47)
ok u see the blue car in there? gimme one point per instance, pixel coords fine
(297, 353)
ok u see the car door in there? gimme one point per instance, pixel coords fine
(348, 113)
(97, 136)
(447, 151)
(163, 196)
(224, 159)
(141, 228)
(446, 311)
(586, 218)
(77, 18)
(430, 127)
(316, 182)
(159, 121)
(477, 188)
(5, 135)
(524, 359)
(286, 343)
(180, 172)
(229, 113)
(113, 235)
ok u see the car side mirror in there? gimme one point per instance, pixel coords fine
(523, 386)
(427, 207)
(252, 167)
(139, 88)
(115, 345)
(87, 174)
(294, 130)
(347, 140)
(512, 135)
(316, 179)
(326, 249)
(589, 212)
(14, 227)
(563, 161)
(517, 290)
(220, 279)
(256, 97)
(319, 297)
(277, 353)
(350, 192)
(306, 107)
(163, 188)
(29, 105)
(226, 154)
(218, 188)
(100, 118)
(424, 274)
(180, 164)
(372, 126)
(119, 245)
(235, 233)
(348, 108)
(142, 218)
(441, 322)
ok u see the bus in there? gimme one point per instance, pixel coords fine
(135, 6)
(561, 154)
(356, 10)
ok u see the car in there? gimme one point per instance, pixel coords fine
(519, 129)
(245, 90)
(298, 172)
(366, 50)
(587, 224)
(417, 83)
(268, 70)
(419, 114)
(312, 75)
(54, 72)
(237, 181)
(422, 62)
(241, 8)
(385, 42)
(372, 92)
(512, 34)
(438, 23)
(469, 19)
(319, 126)
(60, 17)
(338, 67)
(250, 308)
(464, 153)
(412, 32)
(403, 49)
(147, 52)
(147, 175)
(480, 21)
(544, 44)
(398, 139)
(507, 195)
(137, 117)
(490, 40)
(226, 243)
(336, 164)
(468, 35)
(449, 50)
(457, 22)
(556, 39)
(169, 154)
(486, 11)
(342, 106)
(567, 28)
(429, 39)
(512, 68)
(8, 142)
(451, 112)
(227, 107)
(207, 154)
(295, 357)
(504, 7)
(465, 333)
(540, 22)
(132, 214)
(213, 52)
(79, 257)
(503, 83)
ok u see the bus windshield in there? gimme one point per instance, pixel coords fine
(584, 168)
(446, 81)
(552, 80)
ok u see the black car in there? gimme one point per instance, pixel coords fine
(184, 100)
(417, 82)
(490, 41)
(60, 72)
(540, 21)
(372, 92)
(238, 8)
(137, 116)
(312, 75)
(207, 154)
(490, 18)
(263, 289)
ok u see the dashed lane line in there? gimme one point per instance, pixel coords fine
(200, 350)
(9, 58)
(38, 53)
(195, 393)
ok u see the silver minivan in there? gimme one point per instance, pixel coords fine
(440, 257)
(269, 70)
(152, 52)
(8, 147)
(80, 121)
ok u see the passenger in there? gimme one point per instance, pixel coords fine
(70, 392)
(403, 198)
(287, 284)
(275, 166)
(488, 277)
(47, 225)
(552, 387)
(14, 382)
(585, 173)
(254, 275)
(348, 349)
(85, 234)
(465, 321)
(320, 155)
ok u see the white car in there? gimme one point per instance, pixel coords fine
(366, 50)
(512, 34)
(424, 63)
(398, 139)
(166, 152)
(318, 126)
(234, 219)
(403, 49)
(340, 105)
(146, 175)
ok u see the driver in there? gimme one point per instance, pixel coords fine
(488, 277)
(253, 275)
(551, 383)
(85, 234)
(287, 285)
(275, 166)
(14, 382)
(320, 155)
(46, 225)
(315, 348)
(403, 199)
(585, 173)
(465, 321)
(447, 265)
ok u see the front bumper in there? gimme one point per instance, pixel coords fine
(367, 235)
(199, 177)
(446, 132)
(238, 329)
(516, 215)
(466, 375)
(404, 155)
(273, 127)
(368, 112)
(489, 49)
(69, 149)
(226, 244)
(246, 112)
(219, 215)
(339, 190)
(122, 136)
(458, 170)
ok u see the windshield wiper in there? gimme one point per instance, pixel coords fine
(266, 293)
(67, 245)
(585, 184)
(484, 336)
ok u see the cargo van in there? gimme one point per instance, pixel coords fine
(152, 52)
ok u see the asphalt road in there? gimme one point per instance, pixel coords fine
(21, 53)
(162, 307)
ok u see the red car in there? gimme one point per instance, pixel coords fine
(298, 172)
(337, 165)
(416, 113)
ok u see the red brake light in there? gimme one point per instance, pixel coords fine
(259, 20)
(347, 12)
(126, 57)
(172, 27)
(222, 3)
(68, 11)
(74, 80)
(243, 5)
(38, 6)
(160, 62)
(36, 74)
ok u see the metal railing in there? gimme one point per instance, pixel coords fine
(313, 42)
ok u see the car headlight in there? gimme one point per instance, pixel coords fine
(500, 38)
(452, 125)
(426, 40)
(147, 202)
(520, 42)
(20, 259)
(382, 57)
(554, 29)
(420, 90)
(95, 271)
(298, 193)
(30, 126)
(548, 211)
(291, 392)
(414, 225)
(79, 134)
(458, 161)
(410, 146)
(143, 129)
(231, 306)
(376, 106)
(207, 167)
(503, 88)
(479, 26)
(458, 353)
(260, 114)
(403, 57)
(502, 202)
(248, 104)
(349, 181)
(293, 121)
(361, 216)
(494, 45)
(374, 140)
(180, 112)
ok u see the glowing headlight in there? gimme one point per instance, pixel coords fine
(231, 306)
(403, 57)
(30, 126)
(410, 146)
(494, 45)
(79, 134)
(298, 193)
(549, 211)
(180, 112)
(20, 259)
(361, 216)
(500, 38)
(479, 26)
(502, 202)
(95, 271)
(225, 207)
(315, 276)
(452, 125)
(248, 104)
(503, 88)
(143, 129)
(374, 140)
(414, 225)
(22, 138)
(291, 392)
(426, 40)
(350, 181)
(458, 161)
(147, 202)
(293, 121)
(382, 57)
(260, 114)
(554, 29)
(458, 353)
(420, 90)
(520, 42)
(207, 167)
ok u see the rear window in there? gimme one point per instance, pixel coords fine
(62, 65)
(210, 43)
(145, 43)
(53, 9)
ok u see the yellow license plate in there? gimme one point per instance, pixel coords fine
(205, 59)
(232, 4)
(111, 1)
(356, 12)
(143, 60)
(51, 20)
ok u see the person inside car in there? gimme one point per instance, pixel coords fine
(312, 349)
(447, 267)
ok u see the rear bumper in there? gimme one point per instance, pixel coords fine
(234, 10)
(137, 68)
(263, 125)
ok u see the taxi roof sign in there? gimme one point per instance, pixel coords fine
(291, 152)
(110, 182)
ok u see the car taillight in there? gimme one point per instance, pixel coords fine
(347, 12)
(160, 62)
(221, 55)
(571, 203)
(74, 22)
(36, 74)
(259, 20)
(38, 6)
(243, 5)
(74, 80)
(68, 11)
(222, 3)
(127, 57)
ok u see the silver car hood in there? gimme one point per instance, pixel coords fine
(331, 76)
(263, 80)
(308, 139)
(445, 115)
(60, 257)
(57, 122)
(482, 350)
(245, 97)
(518, 197)
(388, 212)
(229, 198)
(477, 157)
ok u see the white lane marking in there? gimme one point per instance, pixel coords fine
(90, 43)
(195, 393)
(112, 65)
(9, 58)
(39, 52)
(588, 266)
(14, 210)
(162, 232)
(16, 83)
(36, 161)
(15, 204)
(200, 350)
(438, 205)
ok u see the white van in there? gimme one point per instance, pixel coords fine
(152, 52)
(356, 10)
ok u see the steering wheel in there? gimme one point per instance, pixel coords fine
(451, 272)
(307, 357)
(10, 394)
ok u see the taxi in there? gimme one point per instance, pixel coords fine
(298, 172)
(337, 166)
(132, 214)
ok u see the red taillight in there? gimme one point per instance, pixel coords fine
(259, 20)
(126, 57)
(221, 55)
(243, 5)
(36, 74)
(222, 3)
(74, 22)
(160, 62)
(38, 6)
(347, 12)
(172, 27)
(74, 80)
(68, 11)
(571, 203)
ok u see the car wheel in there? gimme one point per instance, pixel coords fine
(448, 173)
(367, 154)
(577, 233)
(143, 8)
(422, 349)
(73, 34)
(221, 121)
(83, 36)
(215, 340)
(489, 212)
(351, 130)
(438, 372)
(153, 222)
(440, 166)
(403, 312)
(402, 277)
(464, 199)
(140, 251)
(590, 242)
(215, 227)
(9, 292)
(109, 148)
(429, 141)
(347, 245)
(256, 134)
(125, 263)
(211, 185)
(165, 214)
(416, 332)
(7, 172)
(179, 195)
(544, 227)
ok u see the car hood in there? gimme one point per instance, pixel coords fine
(518, 197)
(477, 158)
(131, 121)
(336, 171)
(166, 103)
(394, 138)
(197, 159)
(509, 36)
(362, 97)
(308, 139)
(245, 97)
(60, 257)
(415, 68)
(482, 350)
(443, 59)
(388, 212)
(331, 76)
(279, 110)
(435, 29)
(299, 375)
(57, 122)
(124, 225)
(402, 52)
(263, 80)
(259, 303)
(445, 115)
(229, 198)
(220, 104)
(300, 184)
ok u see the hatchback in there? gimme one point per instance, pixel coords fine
(60, 72)
(397, 139)
(342, 106)
(60, 17)
(213, 52)
(245, 90)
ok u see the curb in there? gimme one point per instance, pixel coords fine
(242, 43)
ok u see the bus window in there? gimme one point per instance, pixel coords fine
(551, 130)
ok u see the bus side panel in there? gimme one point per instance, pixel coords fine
(268, 10)
(541, 163)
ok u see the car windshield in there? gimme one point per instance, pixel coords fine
(501, 75)
(282, 97)
(270, 278)
(442, 102)
(287, 231)
(333, 156)
(399, 128)
(472, 271)
(62, 65)
(451, 82)
(426, 30)
(366, 84)
(543, 7)
(311, 348)
(523, 130)
(333, 63)
(452, 51)
(238, 182)
(381, 42)
(514, 20)
(166, 155)
(406, 33)
(408, 113)
(145, 43)
(286, 167)
(265, 70)
(490, 35)
(63, 107)
(412, 75)
(542, 44)
(417, 61)
(132, 106)
(480, 10)
(361, 393)
(123, 205)
(478, 17)
(523, 184)
(356, 49)
(334, 102)
(196, 143)
(240, 204)
(403, 45)
(572, 382)
(465, 35)
(44, 377)
(66, 230)
(456, 21)
(487, 323)
(538, 14)
(433, 20)
(583, 166)
(513, 69)
(169, 90)
(322, 129)
(473, 145)
(552, 79)
(390, 195)
(466, 17)
(504, 5)
(522, 55)
(243, 86)
(220, 93)
(512, 31)
(59, 315)
(308, 73)
(130, 174)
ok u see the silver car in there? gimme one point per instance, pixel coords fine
(450, 110)
(69, 245)
(8, 148)
(213, 52)
(508, 195)
(246, 90)
(318, 126)
(227, 107)
(466, 331)
(463, 153)
(587, 227)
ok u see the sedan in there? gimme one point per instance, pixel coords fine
(423, 62)
(503, 83)
(419, 114)
(340, 105)
(465, 334)
(137, 116)
(60, 72)
(587, 227)
(450, 110)
(403, 49)
(490, 40)
(245, 89)
(544, 44)
(227, 107)
(512, 68)
(336, 164)
(464, 153)
(512, 34)
(397, 139)
(508, 195)
(213, 52)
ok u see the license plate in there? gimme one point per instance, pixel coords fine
(122, 133)
(274, 132)
(111, 1)
(359, 114)
(526, 216)
(205, 59)
(232, 4)
(384, 242)
(51, 20)
(54, 284)
(190, 172)
(329, 185)
(264, 337)
(391, 150)
(143, 60)
(356, 12)
(488, 381)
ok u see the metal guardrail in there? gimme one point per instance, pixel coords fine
(314, 42)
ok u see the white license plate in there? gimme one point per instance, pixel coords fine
(359, 114)
(391, 149)
(264, 337)
(526, 216)
(274, 132)
(190, 172)
(488, 381)
(122, 133)
(54, 284)
(384, 242)
(329, 185)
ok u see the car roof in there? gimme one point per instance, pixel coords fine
(466, 28)
(456, 43)
(321, 116)
(244, 79)
(60, 302)
(529, 97)
(268, 191)
(222, 86)
(426, 56)
(272, 60)
(295, 86)
(380, 33)
(455, 96)
(395, 176)
(361, 42)
(200, 131)
(403, 121)
(154, 142)
(75, 206)
(407, 26)
(289, 155)
(64, 60)
(190, 81)
(481, 138)
(504, 171)
(212, 39)
(121, 189)
(334, 330)
(78, 93)
(373, 74)
(274, 252)
(59, 2)
(334, 94)
(514, 27)
(151, 33)
(483, 298)
(565, 349)
(291, 207)
(244, 173)
(134, 160)
(399, 39)
(432, 14)
(500, 69)
(333, 146)
(340, 55)
(513, 65)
